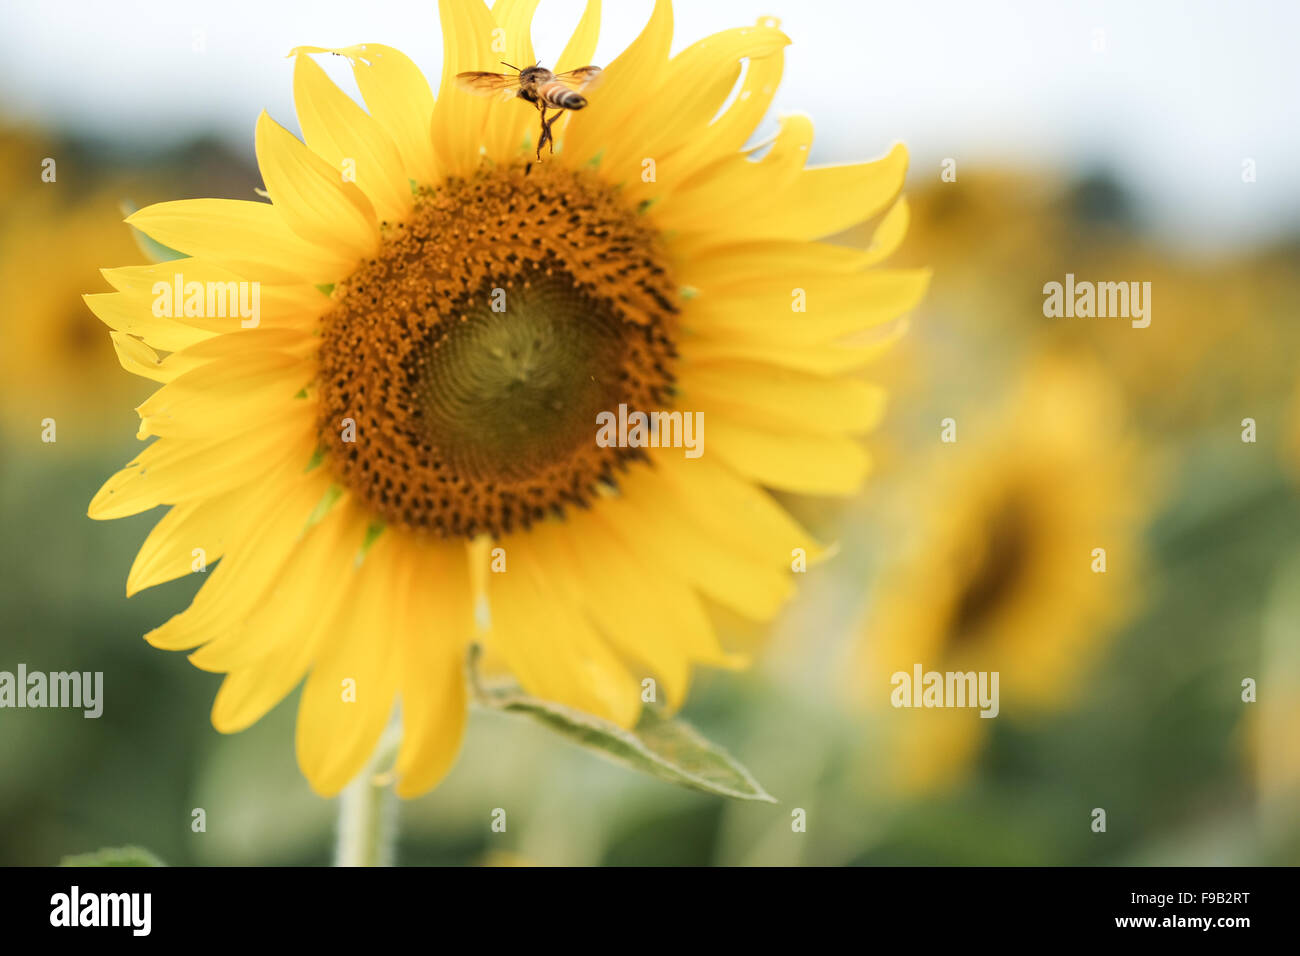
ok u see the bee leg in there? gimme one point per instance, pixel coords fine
(545, 135)
(549, 138)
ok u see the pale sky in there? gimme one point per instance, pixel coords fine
(1178, 95)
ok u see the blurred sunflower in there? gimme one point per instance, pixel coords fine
(57, 362)
(1001, 576)
(1218, 344)
(350, 457)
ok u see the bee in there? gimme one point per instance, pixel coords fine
(537, 85)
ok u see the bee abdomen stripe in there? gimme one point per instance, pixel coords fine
(559, 95)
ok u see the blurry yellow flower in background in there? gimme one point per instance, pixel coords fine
(384, 415)
(1221, 337)
(1214, 351)
(57, 361)
(1001, 575)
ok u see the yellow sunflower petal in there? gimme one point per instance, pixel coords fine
(741, 261)
(138, 358)
(248, 238)
(581, 48)
(435, 626)
(579, 51)
(713, 196)
(676, 607)
(266, 539)
(460, 134)
(834, 306)
(601, 578)
(293, 343)
(623, 88)
(730, 131)
(171, 471)
(279, 306)
(605, 566)
(557, 656)
(226, 397)
(398, 97)
(647, 518)
(325, 551)
(350, 141)
(829, 359)
(272, 653)
(733, 508)
(807, 464)
(349, 694)
(697, 84)
(889, 233)
(829, 199)
(786, 399)
(512, 121)
(314, 199)
(803, 205)
(169, 550)
(125, 313)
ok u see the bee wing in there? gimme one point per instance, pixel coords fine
(581, 78)
(485, 84)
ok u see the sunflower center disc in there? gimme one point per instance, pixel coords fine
(997, 576)
(475, 350)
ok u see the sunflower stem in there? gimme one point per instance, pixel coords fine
(367, 823)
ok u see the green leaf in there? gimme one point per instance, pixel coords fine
(664, 747)
(114, 856)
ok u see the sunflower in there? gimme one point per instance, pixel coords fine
(400, 460)
(1220, 330)
(1006, 572)
(57, 363)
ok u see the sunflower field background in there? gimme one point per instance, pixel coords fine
(1013, 443)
